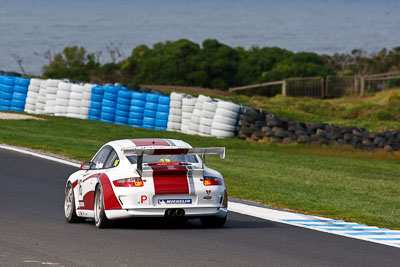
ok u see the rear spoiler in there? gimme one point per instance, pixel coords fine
(167, 150)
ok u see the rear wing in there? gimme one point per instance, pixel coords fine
(167, 150)
(161, 150)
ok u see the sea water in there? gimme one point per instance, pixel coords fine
(29, 28)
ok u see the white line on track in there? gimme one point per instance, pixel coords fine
(338, 227)
(39, 155)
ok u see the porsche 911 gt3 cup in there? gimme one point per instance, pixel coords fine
(147, 178)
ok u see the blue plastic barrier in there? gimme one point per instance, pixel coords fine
(123, 107)
(135, 122)
(23, 82)
(162, 116)
(6, 92)
(18, 98)
(163, 108)
(151, 106)
(95, 113)
(122, 113)
(161, 123)
(164, 100)
(136, 116)
(21, 89)
(162, 113)
(138, 103)
(152, 98)
(160, 128)
(136, 110)
(108, 103)
(150, 111)
(96, 103)
(139, 96)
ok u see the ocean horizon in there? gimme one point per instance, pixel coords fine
(30, 28)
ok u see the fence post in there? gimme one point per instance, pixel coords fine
(284, 88)
(323, 88)
(326, 85)
(355, 86)
(362, 80)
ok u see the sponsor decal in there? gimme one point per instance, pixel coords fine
(143, 199)
(174, 201)
(116, 162)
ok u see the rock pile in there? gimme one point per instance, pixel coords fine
(261, 125)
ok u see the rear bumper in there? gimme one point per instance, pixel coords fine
(160, 212)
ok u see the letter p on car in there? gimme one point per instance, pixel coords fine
(143, 199)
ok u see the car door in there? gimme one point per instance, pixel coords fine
(88, 180)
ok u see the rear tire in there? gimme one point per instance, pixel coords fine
(100, 219)
(213, 221)
(69, 206)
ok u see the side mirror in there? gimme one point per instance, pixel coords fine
(86, 165)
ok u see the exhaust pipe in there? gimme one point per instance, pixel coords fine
(169, 212)
(179, 212)
(174, 213)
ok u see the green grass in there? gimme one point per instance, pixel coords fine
(379, 112)
(338, 182)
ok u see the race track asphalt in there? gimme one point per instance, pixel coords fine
(33, 232)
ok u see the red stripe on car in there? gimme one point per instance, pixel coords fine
(74, 184)
(170, 179)
(110, 200)
(88, 200)
(150, 142)
(96, 175)
(177, 151)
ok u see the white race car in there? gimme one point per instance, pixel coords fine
(147, 178)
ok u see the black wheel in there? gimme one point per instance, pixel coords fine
(69, 206)
(213, 221)
(100, 218)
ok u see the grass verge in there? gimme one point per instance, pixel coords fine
(337, 182)
(378, 112)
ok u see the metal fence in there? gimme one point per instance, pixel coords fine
(330, 87)
(337, 86)
(313, 87)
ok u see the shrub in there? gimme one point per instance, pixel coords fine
(394, 96)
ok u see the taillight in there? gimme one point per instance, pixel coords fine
(129, 182)
(208, 180)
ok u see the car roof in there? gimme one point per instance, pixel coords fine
(146, 142)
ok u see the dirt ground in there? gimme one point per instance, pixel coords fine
(13, 116)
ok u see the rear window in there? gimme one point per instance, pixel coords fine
(164, 158)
